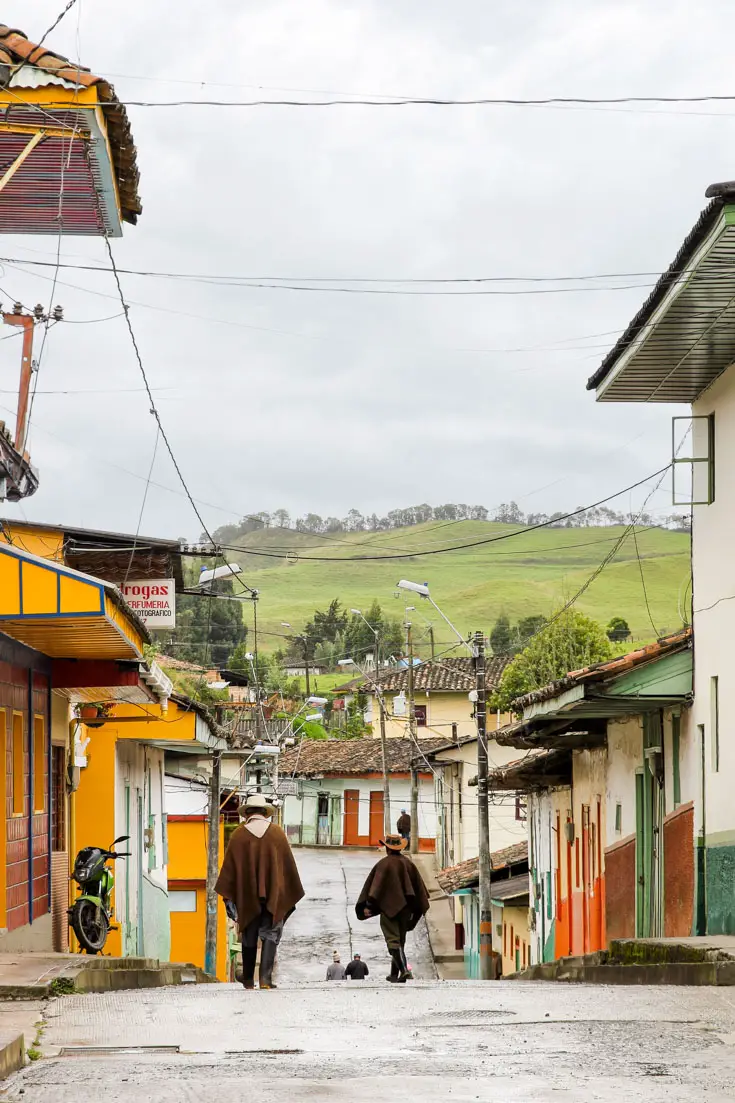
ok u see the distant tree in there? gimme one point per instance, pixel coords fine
(354, 521)
(509, 514)
(569, 642)
(282, 518)
(326, 624)
(526, 628)
(392, 638)
(312, 522)
(333, 524)
(478, 513)
(501, 636)
(618, 629)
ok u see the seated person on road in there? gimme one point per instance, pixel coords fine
(395, 891)
(259, 876)
(335, 971)
(357, 969)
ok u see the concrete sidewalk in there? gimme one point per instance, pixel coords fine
(440, 923)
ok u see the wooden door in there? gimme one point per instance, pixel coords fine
(352, 811)
(376, 817)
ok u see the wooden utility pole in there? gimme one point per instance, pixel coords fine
(431, 641)
(210, 937)
(383, 744)
(483, 820)
(414, 748)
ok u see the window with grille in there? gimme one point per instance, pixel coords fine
(58, 798)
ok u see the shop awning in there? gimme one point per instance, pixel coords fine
(63, 613)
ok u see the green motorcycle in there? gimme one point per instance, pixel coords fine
(91, 913)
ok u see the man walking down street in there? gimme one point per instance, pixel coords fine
(357, 969)
(259, 876)
(404, 825)
(395, 891)
(336, 971)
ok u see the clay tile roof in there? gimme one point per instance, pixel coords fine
(610, 668)
(450, 675)
(346, 757)
(465, 875)
(17, 51)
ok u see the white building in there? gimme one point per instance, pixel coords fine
(680, 348)
(337, 791)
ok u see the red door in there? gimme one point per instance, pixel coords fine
(376, 817)
(352, 810)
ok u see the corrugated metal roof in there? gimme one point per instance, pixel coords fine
(32, 77)
(683, 336)
(514, 889)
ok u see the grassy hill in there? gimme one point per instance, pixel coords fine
(520, 576)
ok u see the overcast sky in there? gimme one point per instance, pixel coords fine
(323, 401)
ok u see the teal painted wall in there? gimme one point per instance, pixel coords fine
(721, 890)
(550, 941)
(156, 922)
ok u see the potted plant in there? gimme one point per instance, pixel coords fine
(93, 713)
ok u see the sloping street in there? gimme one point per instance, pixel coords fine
(426, 1040)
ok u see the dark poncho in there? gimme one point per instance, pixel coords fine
(393, 885)
(257, 871)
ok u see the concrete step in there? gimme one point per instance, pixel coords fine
(651, 951)
(697, 973)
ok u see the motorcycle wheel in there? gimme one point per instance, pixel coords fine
(90, 925)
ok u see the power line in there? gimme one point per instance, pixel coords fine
(415, 101)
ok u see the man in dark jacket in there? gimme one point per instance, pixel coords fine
(395, 891)
(404, 825)
(357, 969)
(259, 876)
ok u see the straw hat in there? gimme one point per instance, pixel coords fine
(394, 842)
(257, 800)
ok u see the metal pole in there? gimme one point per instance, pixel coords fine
(483, 821)
(258, 727)
(210, 938)
(306, 666)
(412, 736)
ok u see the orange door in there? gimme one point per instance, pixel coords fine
(376, 817)
(352, 810)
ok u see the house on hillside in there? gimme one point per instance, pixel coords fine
(510, 897)
(441, 693)
(455, 772)
(680, 348)
(610, 831)
(338, 798)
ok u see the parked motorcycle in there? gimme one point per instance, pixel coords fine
(91, 913)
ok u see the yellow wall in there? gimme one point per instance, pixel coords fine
(442, 710)
(517, 918)
(93, 804)
(175, 723)
(44, 542)
(187, 861)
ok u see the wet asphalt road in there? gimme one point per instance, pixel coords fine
(373, 1042)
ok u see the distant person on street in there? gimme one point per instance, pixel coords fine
(259, 876)
(335, 971)
(404, 825)
(357, 969)
(395, 891)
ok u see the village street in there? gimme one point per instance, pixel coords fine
(427, 1040)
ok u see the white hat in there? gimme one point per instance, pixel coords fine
(256, 800)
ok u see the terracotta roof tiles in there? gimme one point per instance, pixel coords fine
(465, 875)
(346, 757)
(450, 675)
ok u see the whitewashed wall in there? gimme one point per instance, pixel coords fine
(297, 811)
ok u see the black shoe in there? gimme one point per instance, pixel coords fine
(396, 968)
(405, 973)
(248, 966)
(267, 961)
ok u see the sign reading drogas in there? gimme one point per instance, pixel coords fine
(154, 600)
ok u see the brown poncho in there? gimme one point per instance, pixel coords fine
(392, 885)
(257, 871)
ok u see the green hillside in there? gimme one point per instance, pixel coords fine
(520, 576)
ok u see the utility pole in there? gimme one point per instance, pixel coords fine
(210, 937)
(306, 666)
(414, 748)
(431, 641)
(483, 821)
(256, 674)
(383, 744)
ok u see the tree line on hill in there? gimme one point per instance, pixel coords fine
(507, 513)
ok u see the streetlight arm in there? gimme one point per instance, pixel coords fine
(470, 647)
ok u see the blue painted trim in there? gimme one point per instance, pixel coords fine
(53, 616)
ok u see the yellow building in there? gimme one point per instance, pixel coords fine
(64, 636)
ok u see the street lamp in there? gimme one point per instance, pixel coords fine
(383, 747)
(477, 650)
